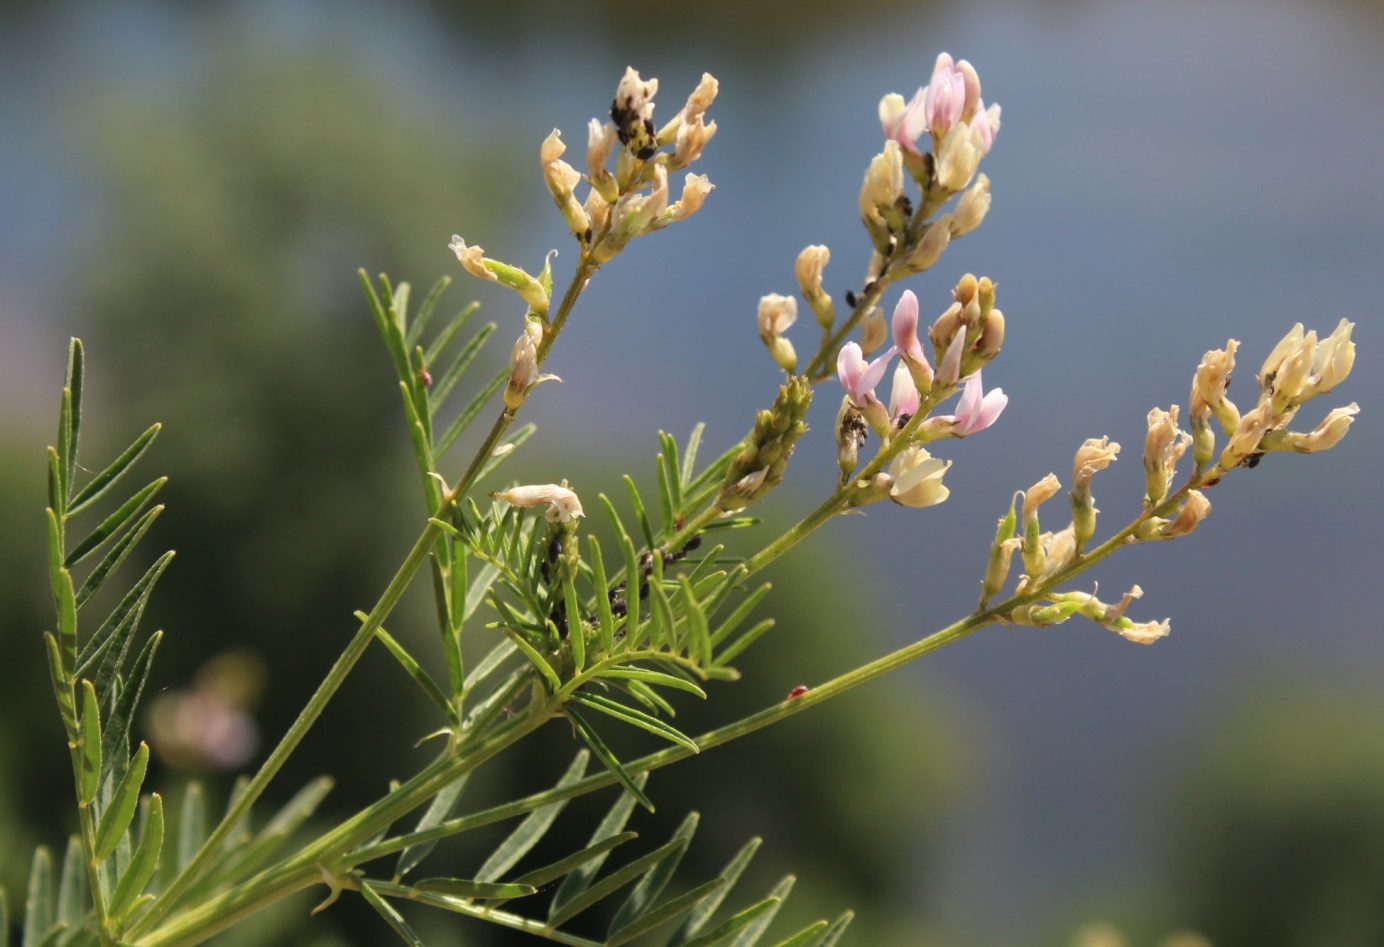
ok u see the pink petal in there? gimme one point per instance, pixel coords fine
(905, 326)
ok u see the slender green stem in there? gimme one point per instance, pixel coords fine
(816, 695)
(416, 557)
(93, 867)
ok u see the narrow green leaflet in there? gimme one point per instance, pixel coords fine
(444, 338)
(67, 621)
(832, 935)
(120, 622)
(607, 758)
(142, 862)
(107, 478)
(549, 873)
(117, 816)
(638, 718)
(116, 554)
(751, 933)
(630, 672)
(639, 512)
(614, 882)
(610, 827)
(642, 898)
(475, 594)
(805, 936)
(605, 618)
(71, 886)
(463, 888)
(89, 748)
(689, 456)
(468, 413)
(62, 687)
(76, 360)
(698, 636)
(665, 912)
(117, 733)
(736, 922)
(443, 386)
(704, 911)
(415, 671)
(38, 906)
(438, 811)
(526, 835)
(4, 919)
(284, 823)
(489, 663)
(730, 652)
(127, 511)
(668, 504)
(192, 824)
(425, 312)
(664, 630)
(392, 917)
(675, 481)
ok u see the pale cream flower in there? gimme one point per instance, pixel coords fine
(917, 477)
(563, 504)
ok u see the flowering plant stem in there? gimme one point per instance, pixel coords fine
(415, 559)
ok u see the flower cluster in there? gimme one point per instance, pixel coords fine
(963, 339)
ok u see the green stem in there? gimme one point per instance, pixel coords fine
(361, 640)
(832, 688)
(305, 868)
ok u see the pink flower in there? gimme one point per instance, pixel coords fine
(976, 412)
(858, 377)
(952, 95)
(905, 326)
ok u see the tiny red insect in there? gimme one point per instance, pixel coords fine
(796, 692)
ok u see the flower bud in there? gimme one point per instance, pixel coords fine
(1211, 381)
(776, 314)
(1194, 510)
(1095, 454)
(1245, 439)
(561, 178)
(1333, 362)
(958, 154)
(523, 365)
(851, 432)
(600, 140)
(782, 352)
(879, 196)
(873, 331)
(972, 208)
(1324, 436)
(632, 112)
(811, 262)
(691, 141)
(1164, 445)
(530, 289)
(903, 398)
(1034, 497)
(1142, 632)
(991, 340)
(1059, 550)
(695, 188)
(1001, 552)
(760, 464)
(934, 242)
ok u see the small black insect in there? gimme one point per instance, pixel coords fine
(850, 298)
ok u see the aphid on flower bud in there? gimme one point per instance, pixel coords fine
(1252, 460)
(850, 298)
(797, 692)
